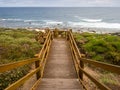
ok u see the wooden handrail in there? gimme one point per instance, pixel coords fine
(22, 80)
(43, 55)
(79, 64)
(109, 67)
(39, 62)
(99, 84)
(11, 66)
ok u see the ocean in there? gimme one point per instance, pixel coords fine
(101, 18)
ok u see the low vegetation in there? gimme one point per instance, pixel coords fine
(15, 45)
(100, 47)
(103, 48)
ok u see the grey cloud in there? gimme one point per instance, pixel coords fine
(79, 3)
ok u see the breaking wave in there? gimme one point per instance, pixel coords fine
(92, 20)
(83, 22)
(10, 19)
(95, 25)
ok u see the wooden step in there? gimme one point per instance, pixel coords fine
(59, 84)
(59, 73)
(59, 63)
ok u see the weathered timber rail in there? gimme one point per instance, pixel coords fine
(54, 67)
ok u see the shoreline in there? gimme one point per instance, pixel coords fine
(75, 29)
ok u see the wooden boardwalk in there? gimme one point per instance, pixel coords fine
(59, 73)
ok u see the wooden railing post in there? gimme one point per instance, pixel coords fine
(80, 72)
(47, 30)
(38, 74)
(67, 35)
(55, 32)
(37, 64)
(52, 35)
(70, 30)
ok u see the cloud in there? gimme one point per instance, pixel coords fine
(78, 3)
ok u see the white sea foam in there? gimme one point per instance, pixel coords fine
(89, 23)
(11, 19)
(14, 19)
(46, 22)
(36, 24)
(88, 19)
(95, 25)
(31, 20)
(54, 23)
(92, 20)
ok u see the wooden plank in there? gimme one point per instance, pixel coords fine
(59, 63)
(38, 81)
(41, 51)
(59, 84)
(76, 60)
(44, 54)
(75, 45)
(22, 80)
(109, 67)
(100, 85)
(75, 50)
(10, 66)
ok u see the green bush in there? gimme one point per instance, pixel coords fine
(116, 45)
(100, 47)
(113, 57)
(16, 45)
(10, 77)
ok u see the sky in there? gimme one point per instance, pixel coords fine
(59, 3)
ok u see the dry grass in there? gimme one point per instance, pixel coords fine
(107, 78)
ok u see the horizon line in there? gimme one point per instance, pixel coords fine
(66, 6)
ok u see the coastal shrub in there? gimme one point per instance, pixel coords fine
(111, 38)
(78, 36)
(98, 58)
(99, 49)
(102, 47)
(87, 47)
(86, 34)
(99, 46)
(113, 57)
(6, 39)
(3, 29)
(16, 45)
(116, 45)
(10, 77)
(24, 40)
